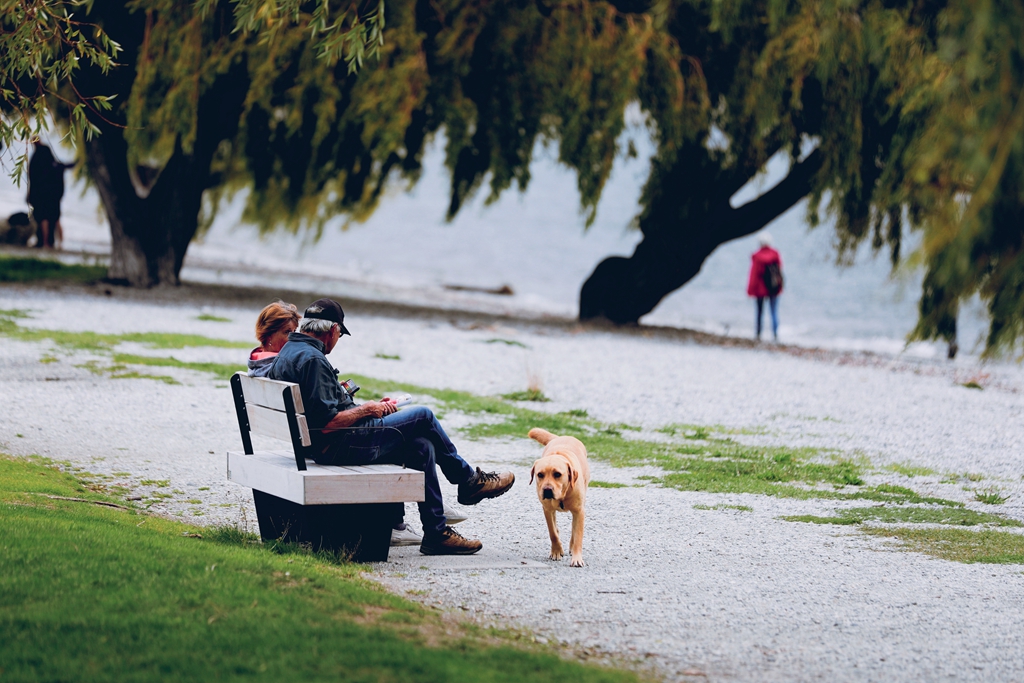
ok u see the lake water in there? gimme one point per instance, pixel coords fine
(536, 243)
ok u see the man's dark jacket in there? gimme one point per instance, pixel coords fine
(303, 362)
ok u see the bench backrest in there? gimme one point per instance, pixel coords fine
(271, 408)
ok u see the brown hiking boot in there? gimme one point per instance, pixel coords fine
(449, 542)
(485, 485)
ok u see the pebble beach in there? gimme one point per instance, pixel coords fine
(687, 585)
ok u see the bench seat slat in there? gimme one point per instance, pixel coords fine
(269, 393)
(274, 423)
(279, 458)
(275, 473)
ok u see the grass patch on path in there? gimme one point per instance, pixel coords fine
(722, 506)
(95, 593)
(96, 341)
(958, 545)
(910, 515)
(954, 544)
(218, 370)
(698, 459)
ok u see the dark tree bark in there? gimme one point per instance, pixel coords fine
(151, 226)
(153, 219)
(687, 218)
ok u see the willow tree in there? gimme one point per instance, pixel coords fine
(154, 92)
(897, 115)
(931, 138)
(214, 97)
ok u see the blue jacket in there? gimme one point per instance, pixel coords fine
(303, 362)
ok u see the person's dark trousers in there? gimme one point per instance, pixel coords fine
(773, 305)
(425, 446)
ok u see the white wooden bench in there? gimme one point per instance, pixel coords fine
(351, 509)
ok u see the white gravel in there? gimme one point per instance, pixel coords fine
(722, 595)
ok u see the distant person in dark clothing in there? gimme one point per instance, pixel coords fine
(45, 190)
(766, 283)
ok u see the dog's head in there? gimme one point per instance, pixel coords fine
(555, 476)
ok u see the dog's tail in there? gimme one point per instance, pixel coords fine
(541, 435)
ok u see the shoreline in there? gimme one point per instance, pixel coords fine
(448, 301)
(996, 374)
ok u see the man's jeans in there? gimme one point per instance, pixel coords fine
(773, 305)
(425, 445)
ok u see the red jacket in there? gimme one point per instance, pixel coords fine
(760, 259)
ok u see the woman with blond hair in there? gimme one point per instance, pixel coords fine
(273, 326)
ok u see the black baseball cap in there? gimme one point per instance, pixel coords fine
(327, 309)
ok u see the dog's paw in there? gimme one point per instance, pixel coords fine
(556, 554)
(577, 562)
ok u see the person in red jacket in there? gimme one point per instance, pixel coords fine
(766, 282)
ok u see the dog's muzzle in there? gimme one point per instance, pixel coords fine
(548, 494)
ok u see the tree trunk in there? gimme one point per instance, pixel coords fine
(151, 227)
(624, 289)
(149, 234)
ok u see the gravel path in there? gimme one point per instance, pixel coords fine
(720, 594)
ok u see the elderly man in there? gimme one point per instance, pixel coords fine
(329, 408)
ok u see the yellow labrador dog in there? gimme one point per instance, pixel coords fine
(562, 476)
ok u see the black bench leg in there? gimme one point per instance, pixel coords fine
(362, 529)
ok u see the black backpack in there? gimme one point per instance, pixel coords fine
(772, 277)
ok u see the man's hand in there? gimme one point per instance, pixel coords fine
(380, 408)
(347, 418)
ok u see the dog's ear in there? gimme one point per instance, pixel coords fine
(571, 476)
(531, 472)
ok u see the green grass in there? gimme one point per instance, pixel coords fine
(990, 497)
(704, 432)
(910, 470)
(121, 371)
(954, 478)
(131, 374)
(909, 515)
(715, 464)
(595, 483)
(23, 269)
(972, 385)
(958, 545)
(91, 593)
(507, 342)
(14, 313)
(722, 506)
(212, 318)
(386, 356)
(95, 341)
(218, 370)
(528, 395)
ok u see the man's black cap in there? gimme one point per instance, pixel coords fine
(327, 309)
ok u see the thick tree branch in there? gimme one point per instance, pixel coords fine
(755, 214)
